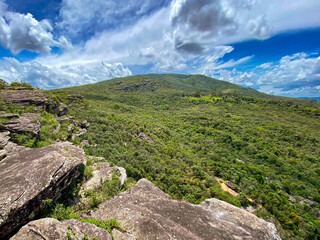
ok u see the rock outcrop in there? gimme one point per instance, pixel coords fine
(100, 174)
(146, 212)
(52, 229)
(29, 97)
(27, 123)
(29, 176)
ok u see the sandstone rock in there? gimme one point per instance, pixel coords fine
(101, 174)
(9, 115)
(29, 176)
(52, 229)
(145, 137)
(117, 235)
(29, 97)
(146, 212)
(231, 185)
(62, 111)
(85, 143)
(7, 148)
(79, 133)
(27, 123)
(74, 97)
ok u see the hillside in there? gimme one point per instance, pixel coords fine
(195, 138)
(200, 128)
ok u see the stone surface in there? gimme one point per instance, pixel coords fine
(117, 235)
(63, 111)
(27, 123)
(101, 174)
(29, 176)
(29, 97)
(52, 229)
(7, 148)
(145, 137)
(146, 212)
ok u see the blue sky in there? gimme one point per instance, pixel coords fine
(272, 46)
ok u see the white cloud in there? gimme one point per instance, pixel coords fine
(46, 77)
(94, 16)
(23, 31)
(294, 75)
(199, 24)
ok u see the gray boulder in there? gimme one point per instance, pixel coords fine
(146, 212)
(29, 176)
(52, 229)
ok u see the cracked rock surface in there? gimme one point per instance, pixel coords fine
(52, 229)
(29, 176)
(145, 212)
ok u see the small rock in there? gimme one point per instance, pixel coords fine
(231, 185)
(62, 111)
(145, 137)
(85, 143)
(79, 133)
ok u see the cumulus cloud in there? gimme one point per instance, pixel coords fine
(93, 16)
(294, 75)
(23, 31)
(47, 77)
(199, 23)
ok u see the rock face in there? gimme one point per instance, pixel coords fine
(146, 212)
(145, 137)
(29, 97)
(101, 174)
(27, 123)
(29, 176)
(8, 148)
(52, 229)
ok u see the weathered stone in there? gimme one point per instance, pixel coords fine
(84, 124)
(74, 97)
(29, 97)
(9, 115)
(29, 176)
(146, 212)
(27, 123)
(79, 133)
(101, 173)
(145, 137)
(52, 229)
(62, 111)
(85, 143)
(117, 235)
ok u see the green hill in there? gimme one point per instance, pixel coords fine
(187, 132)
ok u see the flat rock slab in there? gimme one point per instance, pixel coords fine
(24, 97)
(29, 176)
(27, 123)
(52, 229)
(146, 212)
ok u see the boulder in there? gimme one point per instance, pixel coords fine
(63, 111)
(145, 212)
(145, 137)
(27, 123)
(52, 229)
(29, 176)
(8, 148)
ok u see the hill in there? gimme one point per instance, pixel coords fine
(196, 138)
(183, 132)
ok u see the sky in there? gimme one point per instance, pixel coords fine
(269, 45)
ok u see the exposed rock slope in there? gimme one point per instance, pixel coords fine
(148, 213)
(52, 229)
(29, 176)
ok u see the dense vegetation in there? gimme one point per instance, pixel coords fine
(202, 129)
